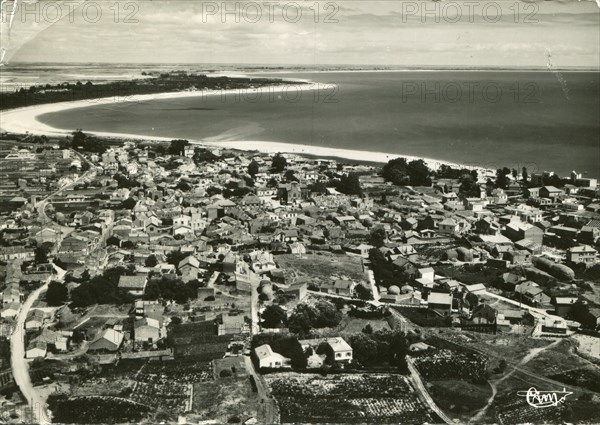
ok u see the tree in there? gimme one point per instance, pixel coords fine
(419, 173)
(377, 237)
(175, 257)
(41, 253)
(177, 147)
(472, 299)
(183, 186)
(363, 292)
(279, 163)
(303, 319)
(253, 168)
(318, 187)
(113, 240)
(501, 178)
(468, 186)
(273, 316)
(57, 294)
(524, 174)
(79, 138)
(350, 185)
(128, 204)
(290, 176)
(580, 312)
(400, 172)
(151, 261)
(382, 270)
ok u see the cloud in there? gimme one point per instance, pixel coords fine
(359, 32)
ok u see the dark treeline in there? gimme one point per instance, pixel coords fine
(167, 82)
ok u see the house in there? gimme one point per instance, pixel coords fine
(531, 293)
(339, 287)
(440, 302)
(297, 248)
(448, 226)
(335, 348)
(135, 285)
(34, 320)
(477, 288)
(10, 310)
(299, 290)
(147, 330)
(563, 305)
(292, 192)
(189, 268)
(582, 254)
(59, 339)
(265, 357)
(516, 230)
(425, 277)
(109, 341)
(551, 192)
(36, 349)
(12, 295)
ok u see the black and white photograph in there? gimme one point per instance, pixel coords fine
(300, 212)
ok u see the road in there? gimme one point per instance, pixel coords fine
(420, 387)
(267, 404)
(19, 366)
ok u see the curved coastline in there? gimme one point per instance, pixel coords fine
(26, 121)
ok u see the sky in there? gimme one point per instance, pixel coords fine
(504, 33)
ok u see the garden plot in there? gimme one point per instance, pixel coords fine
(168, 386)
(349, 398)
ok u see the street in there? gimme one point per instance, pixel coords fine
(20, 368)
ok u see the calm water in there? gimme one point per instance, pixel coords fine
(542, 120)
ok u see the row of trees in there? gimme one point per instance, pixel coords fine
(373, 349)
(401, 173)
(102, 289)
(306, 317)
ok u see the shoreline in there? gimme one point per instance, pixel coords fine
(25, 120)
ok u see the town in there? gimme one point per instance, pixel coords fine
(149, 281)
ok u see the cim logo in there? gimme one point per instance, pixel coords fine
(542, 399)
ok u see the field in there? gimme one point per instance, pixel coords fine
(353, 325)
(226, 398)
(316, 269)
(459, 399)
(348, 398)
(168, 385)
(198, 340)
(423, 317)
(556, 360)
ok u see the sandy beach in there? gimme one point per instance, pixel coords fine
(26, 120)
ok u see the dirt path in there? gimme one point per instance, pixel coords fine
(534, 352)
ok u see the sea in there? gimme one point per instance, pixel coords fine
(538, 119)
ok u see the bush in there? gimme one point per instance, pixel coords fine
(225, 373)
(559, 271)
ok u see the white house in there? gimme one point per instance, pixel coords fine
(266, 357)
